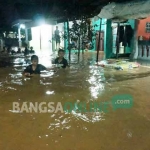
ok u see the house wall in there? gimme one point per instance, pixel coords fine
(141, 31)
(41, 37)
(96, 23)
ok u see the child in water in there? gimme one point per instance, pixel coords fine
(60, 60)
(34, 68)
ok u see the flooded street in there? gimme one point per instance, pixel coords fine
(124, 129)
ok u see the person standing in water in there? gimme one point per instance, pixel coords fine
(57, 38)
(34, 68)
(60, 60)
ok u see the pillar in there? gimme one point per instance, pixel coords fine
(53, 41)
(65, 40)
(19, 36)
(40, 39)
(27, 40)
(134, 54)
(108, 40)
(1, 40)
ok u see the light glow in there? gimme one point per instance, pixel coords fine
(40, 38)
(22, 26)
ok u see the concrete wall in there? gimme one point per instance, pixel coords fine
(141, 31)
(97, 28)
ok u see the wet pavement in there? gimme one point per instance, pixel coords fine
(125, 129)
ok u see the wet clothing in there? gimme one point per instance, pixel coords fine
(128, 36)
(62, 64)
(121, 34)
(125, 34)
(38, 69)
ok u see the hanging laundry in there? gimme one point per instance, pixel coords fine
(124, 35)
(128, 34)
(121, 34)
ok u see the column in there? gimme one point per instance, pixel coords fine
(19, 37)
(27, 40)
(108, 40)
(145, 52)
(65, 40)
(1, 40)
(53, 41)
(135, 53)
(149, 53)
(139, 51)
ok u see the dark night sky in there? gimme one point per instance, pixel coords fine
(11, 10)
(14, 9)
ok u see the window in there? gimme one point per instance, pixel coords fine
(148, 27)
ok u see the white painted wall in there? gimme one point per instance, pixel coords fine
(45, 32)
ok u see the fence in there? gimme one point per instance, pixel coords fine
(144, 50)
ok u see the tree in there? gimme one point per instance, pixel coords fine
(81, 31)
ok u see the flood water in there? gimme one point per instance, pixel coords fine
(121, 129)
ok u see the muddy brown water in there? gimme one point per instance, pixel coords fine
(122, 129)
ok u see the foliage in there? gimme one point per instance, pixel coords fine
(82, 31)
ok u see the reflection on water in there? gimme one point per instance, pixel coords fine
(49, 92)
(83, 82)
(96, 79)
(89, 117)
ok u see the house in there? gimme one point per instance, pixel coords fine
(143, 37)
(38, 33)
